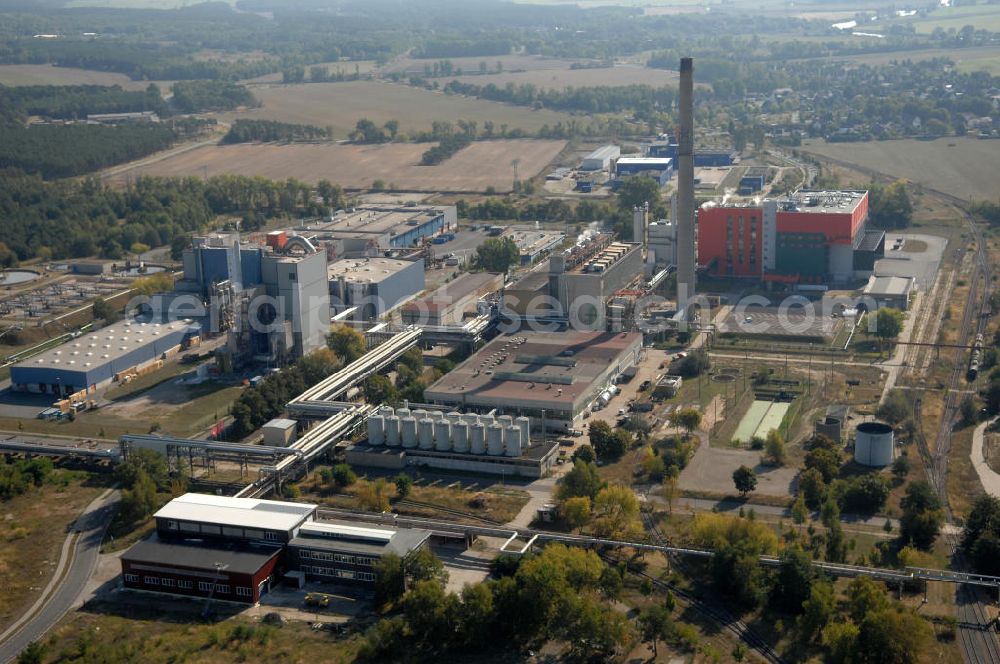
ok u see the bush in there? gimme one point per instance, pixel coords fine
(343, 475)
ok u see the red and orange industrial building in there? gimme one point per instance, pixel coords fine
(811, 237)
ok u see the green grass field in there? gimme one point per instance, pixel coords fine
(980, 16)
(14, 75)
(962, 167)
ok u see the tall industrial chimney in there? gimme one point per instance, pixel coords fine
(685, 188)
(640, 217)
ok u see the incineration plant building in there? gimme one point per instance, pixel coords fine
(810, 237)
(553, 377)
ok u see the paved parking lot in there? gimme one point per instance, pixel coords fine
(792, 320)
(921, 265)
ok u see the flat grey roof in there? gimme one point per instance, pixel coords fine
(377, 219)
(401, 541)
(889, 285)
(241, 558)
(366, 270)
(92, 349)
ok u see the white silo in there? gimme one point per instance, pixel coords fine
(392, 431)
(385, 411)
(408, 431)
(426, 433)
(435, 415)
(477, 438)
(403, 412)
(418, 414)
(376, 430)
(873, 444)
(524, 424)
(442, 436)
(454, 417)
(512, 441)
(506, 421)
(460, 437)
(494, 440)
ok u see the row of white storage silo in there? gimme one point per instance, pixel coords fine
(452, 432)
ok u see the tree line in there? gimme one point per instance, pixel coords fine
(444, 150)
(76, 102)
(267, 131)
(194, 96)
(596, 99)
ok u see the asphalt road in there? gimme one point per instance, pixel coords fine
(90, 526)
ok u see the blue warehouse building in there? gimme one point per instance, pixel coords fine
(93, 360)
(704, 158)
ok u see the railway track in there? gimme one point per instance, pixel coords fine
(976, 636)
(713, 612)
(447, 510)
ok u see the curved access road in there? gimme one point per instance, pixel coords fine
(76, 565)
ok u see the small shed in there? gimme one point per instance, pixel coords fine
(280, 432)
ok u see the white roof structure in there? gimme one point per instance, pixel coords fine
(342, 530)
(243, 512)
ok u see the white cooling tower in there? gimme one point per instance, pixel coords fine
(477, 439)
(426, 433)
(512, 441)
(442, 437)
(376, 430)
(408, 431)
(494, 440)
(460, 437)
(392, 431)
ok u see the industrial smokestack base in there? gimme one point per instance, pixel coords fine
(685, 188)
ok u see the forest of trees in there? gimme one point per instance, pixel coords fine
(57, 151)
(266, 131)
(75, 219)
(75, 102)
(193, 96)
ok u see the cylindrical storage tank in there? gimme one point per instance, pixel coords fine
(873, 444)
(505, 421)
(477, 438)
(460, 437)
(435, 415)
(385, 411)
(403, 412)
(408, 431)
(392, 431)
(418, 414)
(494, 440)
(454, 417)
(524, 424)
(512, 441)
(376, 430)
(426, 433)
(442, 436)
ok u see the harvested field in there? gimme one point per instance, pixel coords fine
(341, 105)
(481, 165)
(14, 75)
(962, 167)
(579, 78)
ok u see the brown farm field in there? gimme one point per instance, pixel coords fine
(14, 75)
(578, 78)
(481, 165)
(962, 167)
(362, 67)
(341, 105)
